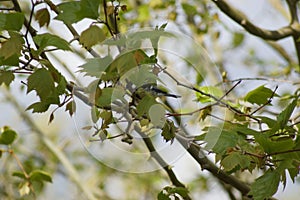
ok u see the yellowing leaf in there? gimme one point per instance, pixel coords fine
(210, 90)
(91, 36)
(43, 17)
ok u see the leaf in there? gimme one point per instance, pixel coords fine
(11, 21)
(47, 39)
(39, 107)
(94, 114)
(24, 188)
(260, 95)
(109, 95)
(51, 118)
(284, 116)
(96, 66)
(10, 61)
(145, 104)
(12, 46)
(157, 115)
(189, 9)
(220, 140)
(265, 186)
(211, 90)
(6, 77)
(271, 146)
(40, 176)
(168, 131)
(71, 107)
(238, 39)
(8, 136)
(235, 160)
(43, 17)
(91, 36)
(42, 82)
(19, 174)
(72, 12)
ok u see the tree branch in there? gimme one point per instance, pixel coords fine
(159, 159)
(242, 20)
(292, 4)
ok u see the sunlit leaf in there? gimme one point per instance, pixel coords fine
(24, 188)
(210, 90)
(91, 36)
(259, 95)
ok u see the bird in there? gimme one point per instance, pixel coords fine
(155, 91)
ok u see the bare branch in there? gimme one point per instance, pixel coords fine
(242, 20)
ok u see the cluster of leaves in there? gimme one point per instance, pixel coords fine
(7, 139)
(240, 145)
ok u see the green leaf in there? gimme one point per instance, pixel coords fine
(271, 145)
(96, 66)
(157, 115)
(259, 95)
(284, 116)
(92, 36)
(109, 95)
(19, 174)
(10, 61)
(211, 90)
(168, 131)
(72, 12)
(40, 176)
(11, 21)
(6, 77)
(265, 186)
(47, 39)
(145, 104)
(43, 17)
(238, 39)
(189, 9)
(235, 160)
(7, 137)
(220, 140)
(42, 82)
(12, 46)
(39, 107)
